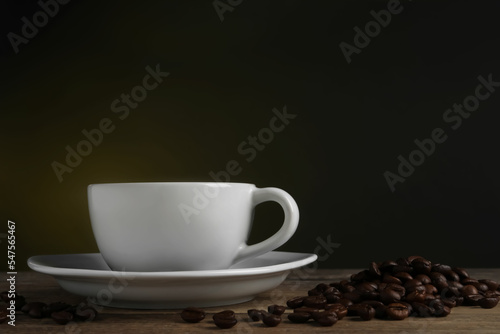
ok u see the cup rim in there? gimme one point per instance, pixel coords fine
(191, 183)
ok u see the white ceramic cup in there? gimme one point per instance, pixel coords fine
(182, 225)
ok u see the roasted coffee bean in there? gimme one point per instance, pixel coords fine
(403, 276)
(388, 296)
(402, 261)
(276, 309)
(423, 278)
(225, 319)
(416, 296)
(469, 290)
(322, 287)
(55, 307)
(299, 317)
(422, 310)
(411, 285)
(492, 285)
(387, 266)
(422, 266)
(354, 296)
(365, 287)
(309, 310)
(412, 258)
(397, 311)
(472, 300)
(339, 309)
(62, 317)
(441, 268)
(449, 302)
(270, 320)
(366, 312)
(255, 314)
(374, 270)
(295, 302)
(327, 318)
(189, 314)
(388, 278)
(462, 273)
(467, 281)
(332, 297)
(481, 287)
(439, 309)
(88, 313)
(36, 309)
(452, 276)
(438, 280)
(430, 289)
(361, 276)
(346, 302)
(315, 301)
(314, 292)
(401, 268)
(488, 302)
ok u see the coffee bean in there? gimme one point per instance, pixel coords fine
(422, 310)
(354, 296)
(423, 278)
(276, 309)
(439, 308)
(452, 276)
(449, 302)
(315, 301)
(55, 307)
(295, 302)
(35, 310)
(346, 302)
(332, 297)
(469, 290)
(412, 258)
(388, 278)
(192, 314)
(374, 270)
(416, 296)
(309, 310)
(387, 266)
(488, 302)
(255, 314)
(402, 268)
(88, 313)
(411, 285)
(388, 296)
(299, 317)
(225, 319)
(403, 276)
(462, 273)
(397, 311)
(366, 312)
(339, 309)
(62, 317)
(441, 268)
(492, 285)
(327, 318)
(270, 320)
(430, 289)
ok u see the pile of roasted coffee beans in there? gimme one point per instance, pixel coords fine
(60, 312)
(393, 290)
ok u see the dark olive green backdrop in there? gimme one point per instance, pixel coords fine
(353, 120)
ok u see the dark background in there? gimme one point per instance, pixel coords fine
(353, 120)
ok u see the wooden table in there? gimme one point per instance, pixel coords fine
(39, 287)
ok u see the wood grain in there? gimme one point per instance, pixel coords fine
(39, 287)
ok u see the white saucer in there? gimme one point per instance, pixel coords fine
(88, 275)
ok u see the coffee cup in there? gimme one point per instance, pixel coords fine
(177, 226)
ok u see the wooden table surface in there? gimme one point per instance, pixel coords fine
(40, 287)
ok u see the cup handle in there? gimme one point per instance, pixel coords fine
(286, 231)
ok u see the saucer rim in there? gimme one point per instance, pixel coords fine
(33, 263)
